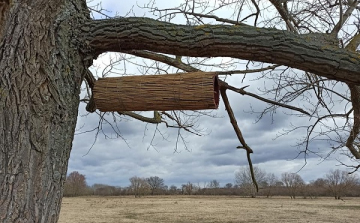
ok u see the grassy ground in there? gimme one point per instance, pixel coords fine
(207, 209)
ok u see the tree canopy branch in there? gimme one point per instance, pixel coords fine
(303, 52)
(243, 92)
(162, 58)
(344, 16)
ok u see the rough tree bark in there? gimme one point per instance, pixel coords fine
(311, 52)
(46, 47)
(41, 70)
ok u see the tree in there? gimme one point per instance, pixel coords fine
(45, 58)
(189, 188)
(214, 184)
(318, 187)
(75, 185)
(228, 185)
(243, 178)
(106, 190)
(155, 183)
(139, 186)
(293, 182)
(271, 181)
(173, 190)
(340, 182)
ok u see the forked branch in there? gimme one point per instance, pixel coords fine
(239, 134)
(344, 16)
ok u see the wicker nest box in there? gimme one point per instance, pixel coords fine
(182, 91)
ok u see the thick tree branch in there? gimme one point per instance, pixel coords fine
(261, 44)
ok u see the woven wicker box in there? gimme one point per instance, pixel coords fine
(182, 91)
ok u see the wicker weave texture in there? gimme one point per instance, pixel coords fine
(182, 91)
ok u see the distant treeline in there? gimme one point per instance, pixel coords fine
(337, 184)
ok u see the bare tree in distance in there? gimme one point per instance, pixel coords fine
(75, 184)
(155, 183)
(213, 184)
(293, 182)
(340, 182)
(139, 186)
(105, 190)
(271, 181)
(173, 189)
(243, 178)
(304, 51)
(189, 188)
(317, 188)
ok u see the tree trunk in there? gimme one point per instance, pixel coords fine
(41, 71)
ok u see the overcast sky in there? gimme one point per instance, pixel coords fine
(211, 156)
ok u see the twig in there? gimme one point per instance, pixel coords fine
(243, 92)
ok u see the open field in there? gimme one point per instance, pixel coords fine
(207, 209)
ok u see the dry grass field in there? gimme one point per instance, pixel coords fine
(207, 209)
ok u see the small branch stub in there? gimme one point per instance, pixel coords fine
(181, 91)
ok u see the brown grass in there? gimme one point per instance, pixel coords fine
(207, 209)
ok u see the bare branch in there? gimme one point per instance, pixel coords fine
(162, 58)
(155, 120)
(239, 134)
(216, 18)
(344, 16)
(179, 64)
(281, 8)
(243, 92)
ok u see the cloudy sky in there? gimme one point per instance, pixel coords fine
(211, 156)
